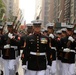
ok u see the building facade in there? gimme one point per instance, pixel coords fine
(51, 14)
(61, 10)
(38, 9)
(67, 11)
(74, 11)
(12, 8)
(57, 11)
(16, 7)
(46, 11)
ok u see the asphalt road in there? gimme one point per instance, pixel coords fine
(21, 70)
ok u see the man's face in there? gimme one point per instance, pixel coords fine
(74, 35)
(69, 32)
(64, 34)
(10, 29)
(50, 30)
(0, 31)
(37, 28)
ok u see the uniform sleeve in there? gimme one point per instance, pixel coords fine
(73, 45)
(26, 51)
(58, 44)
(16, 40)
(49, 53)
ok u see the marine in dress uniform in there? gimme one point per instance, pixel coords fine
(53, 44)
(44, 31)
(23, 44)
(68, 46)
(1, 44)
(50, 29)
(74, 36)
(9, 47)
(37, 51)
(29, 29)
(17, 52)
(59, 51)
(60, 34)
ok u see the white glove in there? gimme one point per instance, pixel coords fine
(73, 51)
(71, 38)
(49, 68)
(66, 50)
(24, 67)
(10, 35)
(53, 68)
(6, 46)
(52, 36)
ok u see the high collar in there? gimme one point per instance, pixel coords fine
(37, 34)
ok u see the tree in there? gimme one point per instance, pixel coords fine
(2, 9)
(1, 4)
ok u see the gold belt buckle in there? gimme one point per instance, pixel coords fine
(37, 54)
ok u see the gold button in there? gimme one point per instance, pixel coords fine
(37, 47)
(37, 41)
(37, 44)
(37, 36)
(31, 43)
(37, 53)
(37, 50)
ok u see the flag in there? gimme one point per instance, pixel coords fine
(25, 24)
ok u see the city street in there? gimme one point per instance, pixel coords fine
(42, 33)
(21, 70)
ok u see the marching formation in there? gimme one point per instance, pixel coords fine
(45, 51)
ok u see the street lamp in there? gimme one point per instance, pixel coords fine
(60, 12)
(39, 14)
